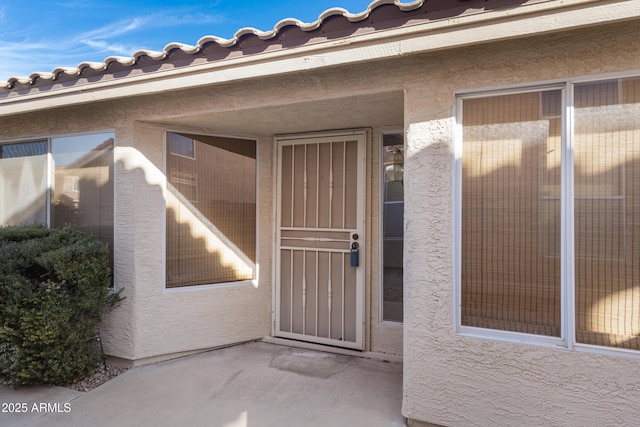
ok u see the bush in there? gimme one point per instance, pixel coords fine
(54, 288)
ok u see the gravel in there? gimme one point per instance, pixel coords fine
(103, 373)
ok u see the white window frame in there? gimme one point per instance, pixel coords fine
(567, 339)
(381, 227)
(50, 181)
(206, 286)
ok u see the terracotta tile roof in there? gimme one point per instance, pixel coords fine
(331, 24)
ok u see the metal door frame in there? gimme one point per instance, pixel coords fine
(361, 137)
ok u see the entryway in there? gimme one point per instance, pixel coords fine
(320, 238)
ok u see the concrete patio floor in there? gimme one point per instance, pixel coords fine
(254, 384)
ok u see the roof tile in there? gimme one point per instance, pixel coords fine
(203, 43)
(286, 33)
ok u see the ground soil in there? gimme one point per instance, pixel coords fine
(103, 373)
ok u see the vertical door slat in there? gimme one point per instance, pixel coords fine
(304, 291)
(329, 290)
(330, 184)
(342, 313)
(317, 286)
(292, 302)
(293, 175)
(344, 184)
(306, 183)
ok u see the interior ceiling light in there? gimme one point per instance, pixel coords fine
(394, 167)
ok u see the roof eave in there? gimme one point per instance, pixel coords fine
(534, 19)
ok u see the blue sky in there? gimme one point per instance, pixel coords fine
(42, 35)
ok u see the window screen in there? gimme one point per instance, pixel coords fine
(511, 213)
(211, 210)
(83, 185)
(74, 174)
(607, 213)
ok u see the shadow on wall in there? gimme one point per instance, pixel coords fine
(200, 248)
(211, 209)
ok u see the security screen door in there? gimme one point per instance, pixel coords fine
(320, 235)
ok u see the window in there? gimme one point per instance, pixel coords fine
(60, 182)
(180, 145)
(82, 190)
(23, 183)
(548, 209)
(211, 210)
(392, 233)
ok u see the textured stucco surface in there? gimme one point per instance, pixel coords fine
(118, 331)
(153, 322)
(448, 379)
(166, 322)
(455, 380)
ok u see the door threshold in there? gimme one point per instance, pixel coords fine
(330, 349)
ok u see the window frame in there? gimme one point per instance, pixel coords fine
(381, 226)
(567, 339)
(50, 180)
(193, 149)
(166, 153)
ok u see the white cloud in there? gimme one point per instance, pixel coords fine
(106, 39)
(25, 49)
(191, 19)
(24, 62)
(114, 29)
(103, 46)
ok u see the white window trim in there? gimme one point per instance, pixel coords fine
(381, 186)
(472, 331)
(567, 223)
(50, 182)
(567, 339)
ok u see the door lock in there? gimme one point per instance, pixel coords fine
(355, 254)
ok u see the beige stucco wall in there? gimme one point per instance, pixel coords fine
(74, 120)
(455, 380)
(448, 379)
(168, 322)
(186, 319)
(153, 322)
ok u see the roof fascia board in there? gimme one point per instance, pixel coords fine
(538, 18)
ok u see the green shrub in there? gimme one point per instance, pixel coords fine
(54, 289)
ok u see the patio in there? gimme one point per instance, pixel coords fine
(253, 384)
